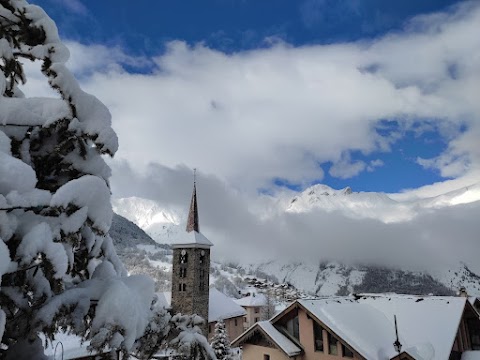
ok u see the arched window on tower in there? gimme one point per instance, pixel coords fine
(183, 257)
(202, 256)
(183, 272)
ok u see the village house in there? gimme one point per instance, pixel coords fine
(220, 307)
(254, 304)
(224, 308)
(373, 327)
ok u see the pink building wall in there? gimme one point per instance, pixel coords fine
(234, 327)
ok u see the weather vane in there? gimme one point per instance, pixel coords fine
(194, 175)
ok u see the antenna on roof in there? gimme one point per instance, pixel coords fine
(397, 345)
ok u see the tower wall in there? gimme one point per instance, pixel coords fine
(190, 281)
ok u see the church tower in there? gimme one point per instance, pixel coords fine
(191, 268)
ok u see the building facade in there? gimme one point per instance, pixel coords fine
(254, 305)
(429, 328)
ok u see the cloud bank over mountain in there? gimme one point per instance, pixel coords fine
(320, 223)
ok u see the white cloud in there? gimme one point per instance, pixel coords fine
(75, 6)
(345, 168)
(249, 117)
(375, 164)
(278, 112)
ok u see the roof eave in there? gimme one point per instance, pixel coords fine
(236, 341)
(190, 245)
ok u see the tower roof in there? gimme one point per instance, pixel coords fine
(192, 222)
(193, 237)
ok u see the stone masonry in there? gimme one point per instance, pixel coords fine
(190, 281)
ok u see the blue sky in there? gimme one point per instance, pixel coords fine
(144, 32)
(144, 26)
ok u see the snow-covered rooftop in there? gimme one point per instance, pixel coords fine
(164, 299)
(427, 326)
(220, 306)
(266, 327)
(252, 300)
(471, 355)
(288, 346)
(192, 239)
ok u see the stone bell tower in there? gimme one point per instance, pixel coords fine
(191, 268)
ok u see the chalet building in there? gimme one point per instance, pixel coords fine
(224, 308)
(373, 327)
(220, 307)
(254, 304)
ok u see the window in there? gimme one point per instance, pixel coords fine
(183, 258)
(332, 345)
(347, 352)
(256, 310)
(179, 287)
(184, 287)
(318, 337)
(293, 327)
(266, 357)
(183, 272)
(256, 319)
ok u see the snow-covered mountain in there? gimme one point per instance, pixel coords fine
(162, 224)
(380, 206)
(327, 278)
(333, 278)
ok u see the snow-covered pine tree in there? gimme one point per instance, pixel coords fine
(220, 343)
(58, 267)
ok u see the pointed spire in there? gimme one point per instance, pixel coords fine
(192, 223)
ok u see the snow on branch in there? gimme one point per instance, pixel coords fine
(59, 270)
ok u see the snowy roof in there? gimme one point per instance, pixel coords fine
(192, 239)
(72, 347)
(164, 299)
(252, 300)
(220, 306)
(427, 326)
(473, 299)
(471, 355)
(282, 341)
